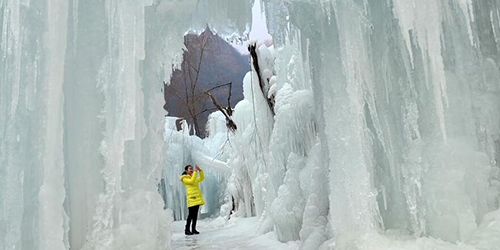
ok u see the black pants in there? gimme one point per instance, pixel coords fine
(192, 216)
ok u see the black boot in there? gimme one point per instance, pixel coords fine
(187, 232)
(194, 226)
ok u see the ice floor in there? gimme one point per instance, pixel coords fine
(241, 233)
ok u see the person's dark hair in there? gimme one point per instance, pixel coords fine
(185, 169)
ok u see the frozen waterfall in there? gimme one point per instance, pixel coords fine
(384, 134)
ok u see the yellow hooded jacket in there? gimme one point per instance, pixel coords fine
(193, 192)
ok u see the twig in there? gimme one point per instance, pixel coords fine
(222, 85)
(229, 122)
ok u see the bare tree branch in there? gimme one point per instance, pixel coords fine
(202, 50)
(229, 110)
(185, 84)
(194, 101)
(174, 91)
(219, 86)
(229, 122)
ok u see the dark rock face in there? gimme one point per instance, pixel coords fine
(208, 62)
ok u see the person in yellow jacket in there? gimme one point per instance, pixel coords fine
(194, 198)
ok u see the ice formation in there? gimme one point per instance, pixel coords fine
(82, 123)
(185, 148)
(404, 109)
(386, 133)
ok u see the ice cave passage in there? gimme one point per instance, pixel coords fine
(362, 125)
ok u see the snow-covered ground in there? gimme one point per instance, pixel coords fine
(237, 233)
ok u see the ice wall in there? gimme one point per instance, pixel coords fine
(398, 102)
(81, 120)
(183, 149)
(75, 113)
(406, 101)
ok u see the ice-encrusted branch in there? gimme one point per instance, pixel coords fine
(253, 53)
(225, 111)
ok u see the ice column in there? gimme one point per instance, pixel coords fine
(32, 76)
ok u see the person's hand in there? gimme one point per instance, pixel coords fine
(197, 167)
